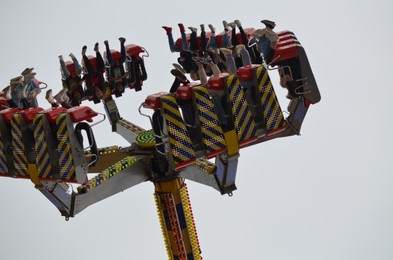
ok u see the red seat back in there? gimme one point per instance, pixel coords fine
(7, 113)
(134, 50)
(246, 73)
(153, 101)
(53, 112)
(184, 92)
(29, 113)
(81, 113)
(217, 82)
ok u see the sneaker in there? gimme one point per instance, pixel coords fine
(84, 48)
(202, 27)
(27, 71)
(179, 68)
(226, 52)
(71, 55)
(27, 79)
(60, 57)
(212, 29)
(106, 42)
(48, 95)
(269, 24)
(29, 76)
(232, 25)
(193, 29)
(96, 48)
(226, 27)
(60, 97)
(16, 81)
(180, 76)
(237, 22)
(239, 48)
(167, 29)
(181, 27)
(289, 96)
(122, 39)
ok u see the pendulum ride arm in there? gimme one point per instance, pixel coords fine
(176, 219)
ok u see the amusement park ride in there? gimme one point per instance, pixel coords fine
(191, 138)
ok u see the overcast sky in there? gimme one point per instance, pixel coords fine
(325, 195)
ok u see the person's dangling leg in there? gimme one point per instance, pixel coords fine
(77, 66)
(65, 73)
(225, 37)
(203, 38)
(242, 33)
(100, 61)
(122, 50)
(90, 71)
(193, 39)
(171, 42)
(109, 56)
(100, 68)
(184, 42)
(233, 34)
(213, 39)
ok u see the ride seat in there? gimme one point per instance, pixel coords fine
(133, 50)
(81, 113)
(285, 52)
(217, 82)
(6, 114)
(29, 113)
(284, 35)
(53, 112)
(184, 92)
(287, 47)
(246, 73)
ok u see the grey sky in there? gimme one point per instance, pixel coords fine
(325, 195)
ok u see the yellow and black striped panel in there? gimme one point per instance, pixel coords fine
(213, 136)
(271, 108)
(41, 148)
(66, 164)
(20, 160)
(3, 160)
(205, 165)
(185, 200)
(164, 228)
(245, 125)
(179, 138)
